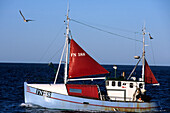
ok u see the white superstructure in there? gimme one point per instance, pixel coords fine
(123, 90)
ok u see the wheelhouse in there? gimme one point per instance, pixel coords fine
(123, 90)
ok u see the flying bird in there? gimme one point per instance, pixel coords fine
(24, 17)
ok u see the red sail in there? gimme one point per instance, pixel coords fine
(149, 76)
(81, 64)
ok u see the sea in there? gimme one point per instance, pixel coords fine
(13, 76)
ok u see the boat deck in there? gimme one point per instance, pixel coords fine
(56, 88)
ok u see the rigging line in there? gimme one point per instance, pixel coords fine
(152, 52)
(51, 43)
(56, 53)
(135, 46)
(114, 28)
(105, 30)
(119, 29)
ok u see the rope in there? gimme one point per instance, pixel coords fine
(56, 53)
(105, 30)
(152, 52)
(51, 44)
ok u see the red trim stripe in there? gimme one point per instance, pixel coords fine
(31, 92)
(99, 105)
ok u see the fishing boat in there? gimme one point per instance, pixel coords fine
(127, 95)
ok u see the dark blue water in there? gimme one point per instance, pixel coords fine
(12, 77)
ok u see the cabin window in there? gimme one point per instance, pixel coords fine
(131, 85)
(113, 83)
(75, 90)
(119, 84)
(124, 84)
(107, 83)
(141, 85)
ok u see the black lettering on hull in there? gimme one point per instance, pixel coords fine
(43, 93)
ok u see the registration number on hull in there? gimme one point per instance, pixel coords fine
(43, 93)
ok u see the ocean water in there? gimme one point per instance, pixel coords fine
(13, 75)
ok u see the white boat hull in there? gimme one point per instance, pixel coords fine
(65, 102)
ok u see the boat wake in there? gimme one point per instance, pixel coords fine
(31, 108)
(28, 105)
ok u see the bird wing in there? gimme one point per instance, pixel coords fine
(30, 20)
(22, 15)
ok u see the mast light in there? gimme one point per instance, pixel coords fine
(115, 67)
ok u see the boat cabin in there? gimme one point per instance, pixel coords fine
(124, 90)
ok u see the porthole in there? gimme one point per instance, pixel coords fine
(113, 83)
(124, 84)
(131, 85)
(119, 84)
(141, 85)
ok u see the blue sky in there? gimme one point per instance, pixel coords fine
(40, 41)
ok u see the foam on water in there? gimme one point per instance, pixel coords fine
(26, 105)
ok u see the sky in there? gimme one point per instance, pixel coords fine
(42, 40)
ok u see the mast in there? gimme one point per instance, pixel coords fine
(67, 42)
(66, 52)
(143, 54)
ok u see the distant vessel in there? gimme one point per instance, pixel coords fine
(127, 95)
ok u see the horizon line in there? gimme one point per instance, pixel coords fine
(17, 62)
